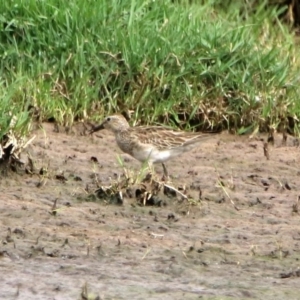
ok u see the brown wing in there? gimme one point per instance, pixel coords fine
(165, 138)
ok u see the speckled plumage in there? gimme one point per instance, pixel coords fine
(154, 144)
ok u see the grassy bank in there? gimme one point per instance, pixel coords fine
(183, 64)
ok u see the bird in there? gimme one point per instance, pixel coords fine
(151, 144)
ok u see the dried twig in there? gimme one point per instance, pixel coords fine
(172, 188)
(266, 150)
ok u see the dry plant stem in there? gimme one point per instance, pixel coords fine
(295, 206)
(54, 205)
(166, 174)
(232, 184)
(155, 235)
(266, 150)
(224, 190)
(284, 138)
(184, 254)
(84, 292)
(271, 138)
(146, 253)
(172, 188)
(279, 182)
(28, 142)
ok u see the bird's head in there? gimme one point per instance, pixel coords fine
(114, 123)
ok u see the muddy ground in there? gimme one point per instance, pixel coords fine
(240, 241)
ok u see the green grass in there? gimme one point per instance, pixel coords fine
(14, 110)
(213, 64)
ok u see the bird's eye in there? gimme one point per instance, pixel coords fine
(108, 119)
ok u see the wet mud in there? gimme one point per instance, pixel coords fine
(236, 237)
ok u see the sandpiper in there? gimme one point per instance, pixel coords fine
(152, 144)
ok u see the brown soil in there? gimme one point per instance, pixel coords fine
(240, 241)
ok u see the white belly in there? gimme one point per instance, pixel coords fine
(152, 155)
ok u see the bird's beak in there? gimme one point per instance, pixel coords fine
(97, 128)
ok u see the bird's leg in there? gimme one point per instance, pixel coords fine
(166, 174)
